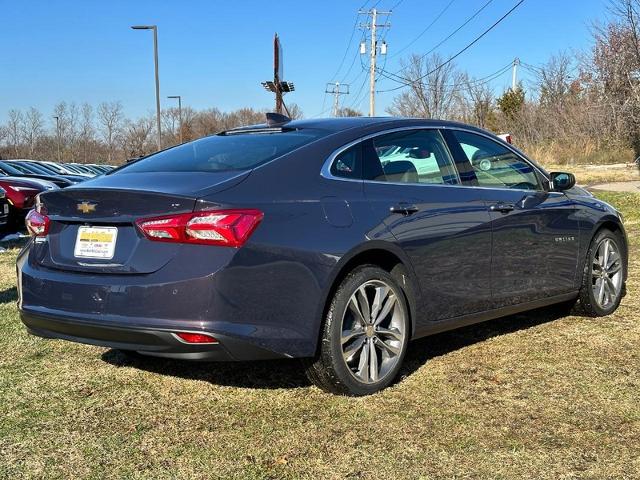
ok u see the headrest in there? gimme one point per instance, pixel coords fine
(402, 171)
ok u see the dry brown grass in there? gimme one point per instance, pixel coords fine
(530, 396)
(594, 174)
(579, 153)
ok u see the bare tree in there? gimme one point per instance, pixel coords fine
(87, 132)
(110, 123)
(477, 102)
(433, 89)
(136, 137)
(554, 80)
(295, 112)
(170, 126)
(349, 112)
(66, 127)
(14, 131)
(33, 129)
(207, 122)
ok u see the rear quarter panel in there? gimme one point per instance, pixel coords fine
(281, 278)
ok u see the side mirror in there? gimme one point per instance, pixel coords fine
(561, 181)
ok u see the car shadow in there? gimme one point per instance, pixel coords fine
(274, 374)
(9, 295)
(426, 348)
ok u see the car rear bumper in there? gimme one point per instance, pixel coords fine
(159, 342)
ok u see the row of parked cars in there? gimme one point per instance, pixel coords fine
(21, 180)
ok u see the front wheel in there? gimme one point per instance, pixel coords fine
(603, 275)
(365, 335)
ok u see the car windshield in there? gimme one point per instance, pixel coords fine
(9, 170)
(224, 152)
(53, 168)
(41, 168)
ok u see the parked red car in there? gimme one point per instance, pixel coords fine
(21, 194)
(4, 208)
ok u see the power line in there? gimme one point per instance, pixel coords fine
(466, 22)
(355, 57)
(407, 82)
(442, 12)
(476, 81)
(396, 5)
(346, 51)
(357, 99)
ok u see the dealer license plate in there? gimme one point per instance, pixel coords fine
(96, 242)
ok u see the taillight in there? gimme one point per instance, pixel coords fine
(229, 228)
(37, 224)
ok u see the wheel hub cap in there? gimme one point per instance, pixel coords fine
(606, 273)
(373, 333)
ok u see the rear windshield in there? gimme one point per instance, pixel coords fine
(225, 152)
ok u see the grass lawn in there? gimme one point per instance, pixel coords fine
(530, 396)
(593, 174)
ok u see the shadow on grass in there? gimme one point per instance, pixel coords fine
(264, 374)
(426, 348)
(274, 374)
(9, 295)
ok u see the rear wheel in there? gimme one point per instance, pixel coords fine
(365, 335)
(603, 275)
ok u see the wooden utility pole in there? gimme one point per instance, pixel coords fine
(337, 89)
(278, 86)
(514, 74)
(373, 53)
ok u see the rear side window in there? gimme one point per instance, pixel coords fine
(412, 156)
(218, 153)
(347, 164)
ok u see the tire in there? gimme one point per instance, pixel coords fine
(382, 327)
(591, 301)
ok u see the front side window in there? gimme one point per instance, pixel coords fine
(495, 165)
(233, 151)
(412, 156)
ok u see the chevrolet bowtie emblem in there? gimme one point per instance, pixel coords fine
(86, 207)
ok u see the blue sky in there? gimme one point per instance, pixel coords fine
(216, 53)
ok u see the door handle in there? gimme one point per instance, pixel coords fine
(404, 209)
(502, 207)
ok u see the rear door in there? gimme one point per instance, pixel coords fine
(412, 183)
(535, 232)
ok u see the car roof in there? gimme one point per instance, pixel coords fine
(337, 124)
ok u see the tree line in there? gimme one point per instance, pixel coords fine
(581, 106)
(84, 134)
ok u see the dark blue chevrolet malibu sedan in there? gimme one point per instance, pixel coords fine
(336, 241)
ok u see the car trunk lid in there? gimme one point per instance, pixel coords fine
(105, 210)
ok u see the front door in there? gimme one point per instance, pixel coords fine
(535, 231)
(444, 227)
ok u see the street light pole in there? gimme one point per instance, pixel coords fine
(155, 57)
(58, 134)
(179, 113)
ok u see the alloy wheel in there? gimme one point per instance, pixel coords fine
(606, 273)
(373, 331)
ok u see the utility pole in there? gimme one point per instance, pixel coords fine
(58, 134)
(278, 86)
(373, 53)
(337, 89)
(514, 74)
